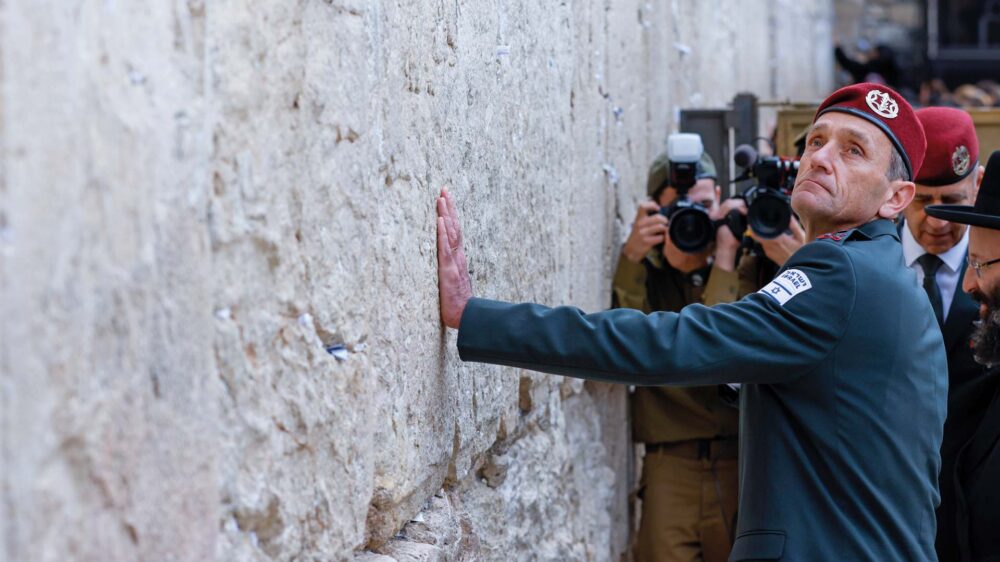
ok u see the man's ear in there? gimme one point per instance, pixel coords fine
(979, 181)
(900, 194)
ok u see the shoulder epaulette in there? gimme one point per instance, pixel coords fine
(836, 236)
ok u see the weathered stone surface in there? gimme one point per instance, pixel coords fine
(199, 199)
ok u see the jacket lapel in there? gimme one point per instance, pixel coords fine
(962, 313)
(986, 436)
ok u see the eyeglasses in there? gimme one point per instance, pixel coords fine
(979, 267)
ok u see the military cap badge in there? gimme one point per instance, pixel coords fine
(960, 160)
(882, 103)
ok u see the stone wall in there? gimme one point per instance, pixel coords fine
(219, 336)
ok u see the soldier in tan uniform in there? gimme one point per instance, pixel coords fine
(689, 484)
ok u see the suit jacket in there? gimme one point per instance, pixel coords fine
(977, 476)
(967, 402)
(843, 404)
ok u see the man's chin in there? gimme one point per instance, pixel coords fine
(937, 245)
(807, 203)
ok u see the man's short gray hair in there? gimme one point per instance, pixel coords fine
(897, 168)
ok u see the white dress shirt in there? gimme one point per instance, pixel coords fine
(947, 275)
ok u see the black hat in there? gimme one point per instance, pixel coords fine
(986, 211)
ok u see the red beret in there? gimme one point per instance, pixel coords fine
(888, 111)
(952, 146)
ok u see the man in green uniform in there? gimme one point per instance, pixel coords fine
(689, 485)
(841, 359)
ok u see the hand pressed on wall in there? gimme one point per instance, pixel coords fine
(454, 283)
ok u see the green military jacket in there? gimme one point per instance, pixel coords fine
(663, 414)
(845, 388)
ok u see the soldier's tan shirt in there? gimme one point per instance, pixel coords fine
(670, 414)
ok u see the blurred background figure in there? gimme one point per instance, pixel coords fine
(934, 52)
(878, 65)
(983, 94)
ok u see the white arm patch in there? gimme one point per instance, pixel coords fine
(787, 285)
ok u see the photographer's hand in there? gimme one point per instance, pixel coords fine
(648, 230)
(727, 242)
(454, 283)
(781, 248)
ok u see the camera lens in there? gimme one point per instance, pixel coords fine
(769, 215)
(691, 229)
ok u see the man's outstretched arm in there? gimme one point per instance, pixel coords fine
(779, 334)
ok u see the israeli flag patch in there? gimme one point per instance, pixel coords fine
(787, 285)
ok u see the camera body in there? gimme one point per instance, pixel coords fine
(691, 228)
(769, 209)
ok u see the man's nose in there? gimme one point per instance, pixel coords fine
(937, 224)
(969, 281)
(823, 158)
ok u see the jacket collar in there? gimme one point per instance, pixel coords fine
(878, 228)
(868, 231)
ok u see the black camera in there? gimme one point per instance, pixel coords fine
(691, 228)
(769, 209)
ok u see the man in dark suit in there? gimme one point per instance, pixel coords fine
(842, 363)
(977, 470)
(936, 250)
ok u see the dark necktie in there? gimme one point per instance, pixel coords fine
(930, 264)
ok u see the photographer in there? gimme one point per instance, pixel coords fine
(689, 433)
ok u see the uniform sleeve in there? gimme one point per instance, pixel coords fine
(629, 285)
(777, 334)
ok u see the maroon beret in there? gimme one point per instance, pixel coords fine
(952, 146)
(887, 110)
